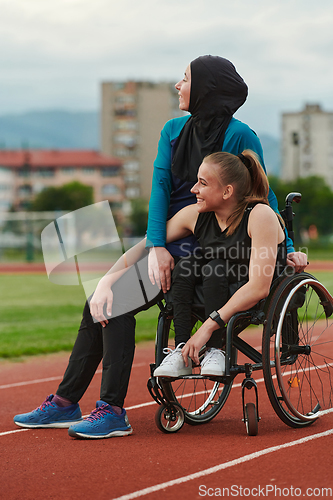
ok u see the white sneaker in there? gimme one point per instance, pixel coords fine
(173, 364)
(213, 363)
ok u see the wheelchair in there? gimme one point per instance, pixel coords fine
(296, 356)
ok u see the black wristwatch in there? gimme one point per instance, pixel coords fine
(216, 317)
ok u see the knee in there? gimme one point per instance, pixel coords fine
(214, 269)
(184, 272)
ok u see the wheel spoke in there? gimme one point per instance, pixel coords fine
(298, 348)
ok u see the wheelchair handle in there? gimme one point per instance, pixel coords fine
(288, 213)
(296, 197)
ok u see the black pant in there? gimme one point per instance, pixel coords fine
(188, 273)
(114, 344)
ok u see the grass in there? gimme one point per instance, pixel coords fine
(39, 317)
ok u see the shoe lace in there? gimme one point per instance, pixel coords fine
(211, 355)
(171, 352)
(98, 413)
(44, 405)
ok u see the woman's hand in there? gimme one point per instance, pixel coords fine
(199, 339)
(298, 260)
(160, 265)
(102, 295)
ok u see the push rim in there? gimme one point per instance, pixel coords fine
(305, 378)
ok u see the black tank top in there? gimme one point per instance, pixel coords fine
(235, 249)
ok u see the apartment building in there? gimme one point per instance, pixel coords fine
(7, 183)
(307, 144)
(33, 170)
(133, 115)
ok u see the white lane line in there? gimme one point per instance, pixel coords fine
(51, 379)
(226, 465)
(12, 432)
(150, 403)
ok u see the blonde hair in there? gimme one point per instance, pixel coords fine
(248, 179)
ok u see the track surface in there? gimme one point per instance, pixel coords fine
(39, 267)
(47, 463)
(196, 462)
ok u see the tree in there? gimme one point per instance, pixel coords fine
(139, 216)
(316, 206)
(69, 197)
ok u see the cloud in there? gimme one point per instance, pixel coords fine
(57, 53)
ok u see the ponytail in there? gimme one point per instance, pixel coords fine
(247, 176)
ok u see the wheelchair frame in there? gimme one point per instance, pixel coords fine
(298, 373)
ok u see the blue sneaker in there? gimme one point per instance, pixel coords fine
(49, 414)
(103, 422)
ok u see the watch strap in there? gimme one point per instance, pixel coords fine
(216, 317)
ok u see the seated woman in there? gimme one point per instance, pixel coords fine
(242, 245)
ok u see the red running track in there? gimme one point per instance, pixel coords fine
(39, 267)
(194, 463)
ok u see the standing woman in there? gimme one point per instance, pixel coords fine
(212, 91)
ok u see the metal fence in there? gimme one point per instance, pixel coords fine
(20, 234)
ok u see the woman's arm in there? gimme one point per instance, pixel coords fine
(160, 193)
(103, 293)
(265, 232)
(182, 224)
(160, 262)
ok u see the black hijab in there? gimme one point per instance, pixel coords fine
(217, 91)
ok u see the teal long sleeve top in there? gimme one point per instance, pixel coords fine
(169, 194)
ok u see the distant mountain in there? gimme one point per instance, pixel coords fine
(81, 130)
(272, 153)
(50, 130)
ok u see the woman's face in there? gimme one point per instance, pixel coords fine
(208, 190)
(184, 90)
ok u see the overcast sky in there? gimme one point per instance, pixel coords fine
(55, 53)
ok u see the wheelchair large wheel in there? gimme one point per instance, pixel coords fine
(298, 350)
(200, 397)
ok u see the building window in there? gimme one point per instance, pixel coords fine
(88, 170)
(24, 172)
(119, 85)
(125, 125)
(110, 171)
(132, 178)
(133, 192)
(110, 189)
(120, 152)
(126, 139)
(25, 190)
(4, 205)
(68, 170)
(131, 166)
(125, 112)
(116, 205)
(125, 99)
(44, 172)
(125, 151)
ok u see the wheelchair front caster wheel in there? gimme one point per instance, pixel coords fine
(170, 419)
(251, 419)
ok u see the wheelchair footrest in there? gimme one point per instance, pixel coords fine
(154, 390)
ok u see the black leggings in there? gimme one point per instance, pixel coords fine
(188, 273)
(114, 344)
